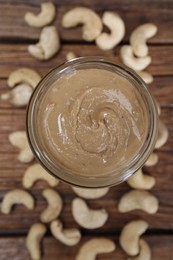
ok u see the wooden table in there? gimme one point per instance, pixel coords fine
(15, 36)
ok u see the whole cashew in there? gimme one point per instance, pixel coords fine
(26, 80)
(129, 237)
(146, 76)
(48, 45)
(94, 247)
(33, 240)
(152, 160)
(139, 37)
(24, 75)
(131, 61)
(92, 24)
(141, 181)
(162, 135)
(86, 217)
(18, 96)
(145, 251)
(19, 140)
(158, 107)
(138, 200)
(69, 237)
(70, 55)
(116, 25)
(90, 193)
(45, 17)
(16, 196)
(36, 172)
(54, 207)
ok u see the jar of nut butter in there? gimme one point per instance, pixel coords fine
(92, 122)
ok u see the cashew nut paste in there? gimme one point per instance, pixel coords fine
(92, 121)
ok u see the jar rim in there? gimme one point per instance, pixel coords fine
(102, 180)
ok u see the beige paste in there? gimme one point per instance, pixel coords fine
(92, 121)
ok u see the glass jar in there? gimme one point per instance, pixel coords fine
(71, 177)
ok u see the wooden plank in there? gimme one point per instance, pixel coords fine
(161, 88)
(22, 218)
(14, 56)
(8, 123)
(161, 248)
(13, 120)
(11, 167)
(133, 4)
(162, 172)
(133, 14)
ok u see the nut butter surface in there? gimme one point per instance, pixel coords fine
(92, 121)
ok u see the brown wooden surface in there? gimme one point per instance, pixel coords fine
(15, 36)
(133, 12)
(161, 247)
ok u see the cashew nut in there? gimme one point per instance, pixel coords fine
(129, 237)
(33, 240)
(16, 196)
(94, 247)
(131, 61)
(24, 75)
(45, 17)
(36, 172)
(19, 140)
(92, 24)
(70, 55)
(139, 37)
(162, 135)
(158, 108)
(141, 181)
(18, 96)
(86, 217)
(145, 251)
(48, 45)
(116, 25)
(69, 237)
(152, 160)
(146, 76)
(54, 206)
(141, 200)
(26, 80)
(90, 193)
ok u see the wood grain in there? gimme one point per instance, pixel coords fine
(11, 167)
(52, 249)
(134, 13)
(161, 88)
(14, 56)
(14, 222)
